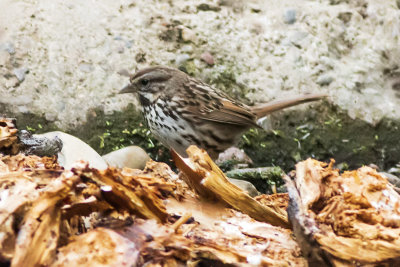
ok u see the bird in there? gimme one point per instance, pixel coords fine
(181, 110)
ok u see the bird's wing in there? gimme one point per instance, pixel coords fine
(232, 113)
(222, 111)
(204, 103)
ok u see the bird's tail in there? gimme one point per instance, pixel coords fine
(266, 109)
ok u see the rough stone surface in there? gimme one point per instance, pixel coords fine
(74, 50)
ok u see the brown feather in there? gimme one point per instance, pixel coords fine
(263, 110)
(229, 113)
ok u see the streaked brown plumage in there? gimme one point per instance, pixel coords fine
(181, 110)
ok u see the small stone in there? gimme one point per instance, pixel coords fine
(324, 79)
(246, 186)
(188, 35)
(181, 59)
(207, 58)
(20, 73)
(393, 179)
(289, 16)
(133, 157)
(234, 154)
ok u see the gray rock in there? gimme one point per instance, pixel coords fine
(234, 154)
(132, 157)
(289, 17)
(245, 186)
(74, 150)
(393, 179)
(20, 73)
(39, 145)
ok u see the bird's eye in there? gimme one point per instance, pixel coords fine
(144, 82)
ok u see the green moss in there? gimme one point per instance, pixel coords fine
(109, 132)
(264, 179)
(28, 121)
(103, 132)
(323, 132)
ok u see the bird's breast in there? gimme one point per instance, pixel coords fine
(167, 125)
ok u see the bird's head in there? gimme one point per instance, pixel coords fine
(150, 83)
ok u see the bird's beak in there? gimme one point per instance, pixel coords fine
(130, 88)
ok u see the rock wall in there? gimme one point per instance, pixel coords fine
(60, 60)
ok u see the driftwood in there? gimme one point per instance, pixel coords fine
(203, 175)
(85, 217)
(344, 219)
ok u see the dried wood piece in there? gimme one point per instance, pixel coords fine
(8, 136)
(22, 178)
(54, 217)
(85, 207)
(214, 240)
(21, 162)
(17, 192)
(38, 237)
(344, 219)
(204, 176)
(99, 247)
(239, 239)
(139, 195)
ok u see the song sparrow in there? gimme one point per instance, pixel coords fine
(181, 110)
